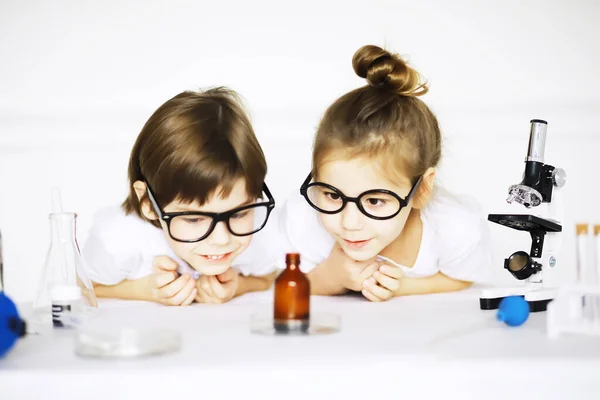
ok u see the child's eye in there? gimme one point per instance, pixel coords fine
(332, 196)
(373, 201)
(192, 221)
(241, 214)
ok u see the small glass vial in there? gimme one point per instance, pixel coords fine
(596, 246)
(291, 311)
(65, 305)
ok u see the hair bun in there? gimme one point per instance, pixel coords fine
(382, 69)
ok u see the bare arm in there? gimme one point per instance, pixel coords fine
(324, 282)
(126, 290)
(248, 284)
(437, 283)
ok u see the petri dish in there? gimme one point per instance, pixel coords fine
(126, 342)
(262, 323)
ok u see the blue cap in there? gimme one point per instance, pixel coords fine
(513, 311)
(11, 325)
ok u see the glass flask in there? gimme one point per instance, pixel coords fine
(65, 294)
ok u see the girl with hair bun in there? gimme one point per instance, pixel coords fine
(370, 217)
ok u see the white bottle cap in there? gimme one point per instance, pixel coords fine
(65, 293)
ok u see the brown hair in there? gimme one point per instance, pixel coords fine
(193, 144)
(384, 117)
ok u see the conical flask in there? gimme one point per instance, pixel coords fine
(65, 289)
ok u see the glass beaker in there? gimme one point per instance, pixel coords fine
(64, 269)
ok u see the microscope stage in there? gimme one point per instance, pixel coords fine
(525, 222)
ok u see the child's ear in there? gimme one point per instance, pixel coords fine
(145, 206)
(425, 190)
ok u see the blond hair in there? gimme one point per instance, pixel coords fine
(384, 117)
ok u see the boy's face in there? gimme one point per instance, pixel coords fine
(214, 254)
(360, 237)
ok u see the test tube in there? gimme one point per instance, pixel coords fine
(596, 283)
(583, 269)
(582, 234)
(596, 246)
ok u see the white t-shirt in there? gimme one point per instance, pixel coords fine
(455, 239)
(122, 247)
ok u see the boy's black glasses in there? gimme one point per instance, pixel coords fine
(194, 226)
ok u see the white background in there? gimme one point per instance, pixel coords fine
(78, 79)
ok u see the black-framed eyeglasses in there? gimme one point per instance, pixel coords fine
(194, 226)
(379, 204)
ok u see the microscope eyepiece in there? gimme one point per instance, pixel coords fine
(537, 140)
(538, 177)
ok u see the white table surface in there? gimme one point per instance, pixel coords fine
(410, 347)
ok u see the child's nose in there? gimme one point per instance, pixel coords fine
(220, 235)
(352, 218)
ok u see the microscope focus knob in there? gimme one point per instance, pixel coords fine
(559, 177)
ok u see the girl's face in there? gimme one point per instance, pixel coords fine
(214, 254)
(360, 237)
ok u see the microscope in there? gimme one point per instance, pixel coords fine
(535, 190)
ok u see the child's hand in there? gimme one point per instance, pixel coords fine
(350, 273)
(383, 284)
(217, 289)
(169, 289)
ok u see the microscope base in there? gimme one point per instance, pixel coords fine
(538, 298)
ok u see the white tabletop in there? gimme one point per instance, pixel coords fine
(418, 346)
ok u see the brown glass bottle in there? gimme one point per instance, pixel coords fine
(291, 311)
